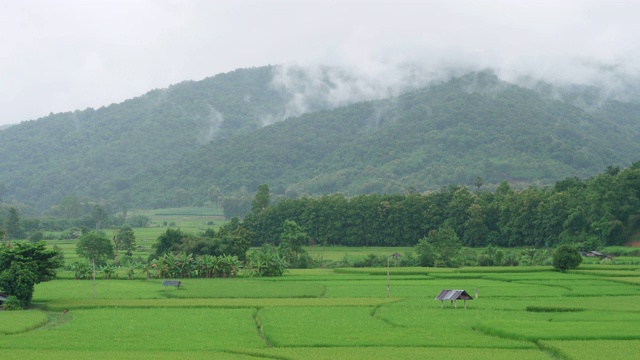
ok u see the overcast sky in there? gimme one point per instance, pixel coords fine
(64, 55)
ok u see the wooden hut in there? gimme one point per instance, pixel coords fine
(453, 295)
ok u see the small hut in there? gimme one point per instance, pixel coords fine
(453, 295)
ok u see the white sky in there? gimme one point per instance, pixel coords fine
(63, 55)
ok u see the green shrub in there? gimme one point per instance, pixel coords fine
(566, 257)
(12, 303)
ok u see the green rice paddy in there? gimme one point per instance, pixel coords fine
(589, 313)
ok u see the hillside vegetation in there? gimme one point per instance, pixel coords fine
(449, 134)
(95, 153)
(171, 147)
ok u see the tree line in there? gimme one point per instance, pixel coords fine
(603, 210)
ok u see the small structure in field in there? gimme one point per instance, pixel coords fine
(597, 254)
(453, 295)
(175, 283)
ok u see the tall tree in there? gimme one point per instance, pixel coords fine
(291, 241)
(127, 239)
(99, 216)
(97, 248)
(262, 199)
(124, 240)
(215, 195)
(13, 224)
(446, 244)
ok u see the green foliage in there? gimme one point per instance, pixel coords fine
(566, 257)
(22, 265)
(12, 303)
(595, 212)
(426, 253)
(442, 245)
(164, 148)
(168, 242)
(95, 247)
(138, 221)
(113, 144)
(266, 261)
(126, 239)
(438, 120)
(231, 239)
(262, 199)
(81, 270)
(292, 239)
(99, 216)
(36, 237)
(13, 228)
(19, 280)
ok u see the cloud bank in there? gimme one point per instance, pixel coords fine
(63, 56)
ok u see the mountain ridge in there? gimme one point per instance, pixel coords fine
(198, 134)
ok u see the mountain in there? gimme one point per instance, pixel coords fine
(181, 141)
(93, 153)
(451, 133)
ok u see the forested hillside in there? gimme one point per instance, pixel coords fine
(95, 153)
(206, 141)
(450, 134)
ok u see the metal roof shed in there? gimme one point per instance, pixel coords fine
(453, 295)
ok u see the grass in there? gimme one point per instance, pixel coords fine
(339, 326)
(522, 312)
(15, 322)
(173, 354)
(60, 305)
(593, 349)
(145, 329)
(561, 330)
(407, 353)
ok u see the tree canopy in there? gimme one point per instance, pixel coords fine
(199, 142)
(22, 265)
(599, 211)
(95, 247)
(566, 257)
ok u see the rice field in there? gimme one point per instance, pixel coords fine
(524, 313)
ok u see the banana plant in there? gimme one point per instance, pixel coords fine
(131, 271)
(107, 271)
(145, 267)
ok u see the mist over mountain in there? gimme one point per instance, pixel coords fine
(318, 130)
